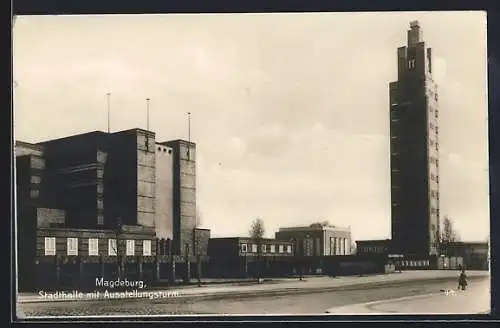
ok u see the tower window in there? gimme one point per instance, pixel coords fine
(411, 64)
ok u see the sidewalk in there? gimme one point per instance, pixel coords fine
(475, 300)
(285, 285)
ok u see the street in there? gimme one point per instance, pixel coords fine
(316, 302)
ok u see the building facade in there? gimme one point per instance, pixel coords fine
(373, 246)
(86, 188)
(414, 147)
(183, 195)
(475, 255)
(317, 239)
(245, 257)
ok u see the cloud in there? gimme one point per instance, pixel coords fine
(289, 112)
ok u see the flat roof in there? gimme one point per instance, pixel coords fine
(28, 145)
(313, 228)
(177, 141)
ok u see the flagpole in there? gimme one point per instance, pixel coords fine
(108, 96)
(147, 114)
(189, 135)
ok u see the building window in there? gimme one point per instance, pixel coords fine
(130, 247)
(433, 177)
(289, 249)
(72, 246)
(254, 248)
(34, 193)
(146, 247)
(35, 179)
(50, 246)
(272, 248)
(100, 188)
(37, 163)
(100, 219)
(281, 248)
(243, 248)
(263, 248)
(93, 247)
(100, 204)
(112, 247)
(411, 64)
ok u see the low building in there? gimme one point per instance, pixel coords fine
(243, 257)
(475, 255)
(381, 246)
(318, 239)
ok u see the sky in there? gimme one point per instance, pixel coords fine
(290, 112)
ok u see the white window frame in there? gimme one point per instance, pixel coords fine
(243, 248)
(254, 248)
(411, 63)
(281, 248)
(289, 249)
(130, 249)
(146, 247)
(112, 247)
(93, 247)
(273, 248)
(50, 246)
(72, 246)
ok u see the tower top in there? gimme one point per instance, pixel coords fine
(414, 34)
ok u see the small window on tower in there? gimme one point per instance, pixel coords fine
(411, 64)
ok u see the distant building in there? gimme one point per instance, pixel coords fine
(381, 246)
(317, 239)
(414, 150)
(240, 256)
(475, 255)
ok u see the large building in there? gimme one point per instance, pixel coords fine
(90, 197)
(317, 239)
(414, 147)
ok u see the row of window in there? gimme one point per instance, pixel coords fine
(423, 263)
(93, 244)
(372, 249)
(434, 210)
(253, 248)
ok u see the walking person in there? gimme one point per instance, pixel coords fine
(462, 280)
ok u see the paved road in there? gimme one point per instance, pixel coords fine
(475, 300)
(310, 303)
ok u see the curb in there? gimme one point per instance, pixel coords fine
(261, 293)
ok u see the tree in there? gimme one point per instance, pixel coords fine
(257, 234)
(448, 235)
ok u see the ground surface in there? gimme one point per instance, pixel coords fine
(306, 303)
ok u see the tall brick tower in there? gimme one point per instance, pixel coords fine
(414, 149)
